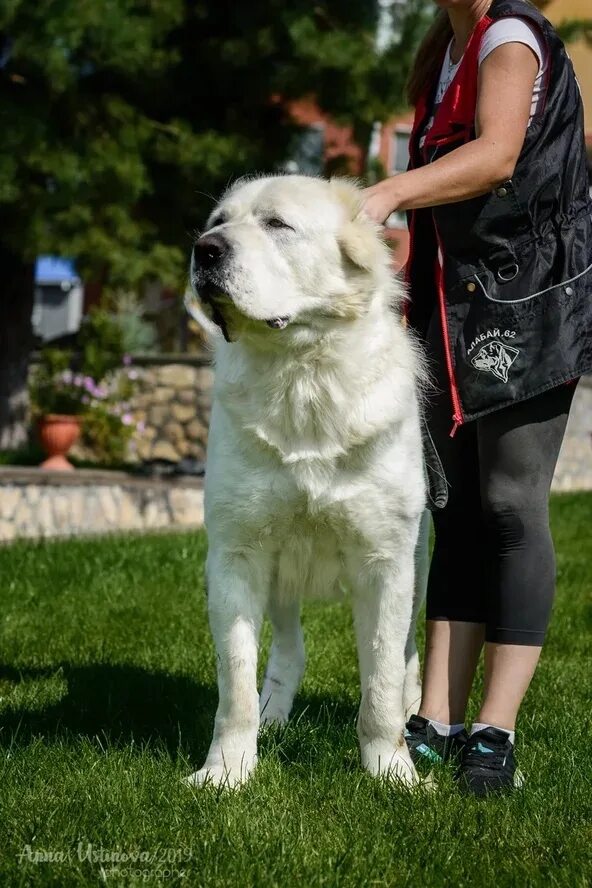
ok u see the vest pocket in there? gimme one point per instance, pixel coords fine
(513, 339)
(488, 290)
(537, 270)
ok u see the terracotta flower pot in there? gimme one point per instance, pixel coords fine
(57, 434)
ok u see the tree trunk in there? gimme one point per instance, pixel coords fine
(16, 340)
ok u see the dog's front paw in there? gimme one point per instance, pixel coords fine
(230, 773)
(392, 763)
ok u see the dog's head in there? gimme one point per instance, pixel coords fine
(284, 256)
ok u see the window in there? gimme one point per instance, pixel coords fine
(400, 150)
(399, 161)
(307, 154)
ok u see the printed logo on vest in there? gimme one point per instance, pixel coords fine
(496, 358)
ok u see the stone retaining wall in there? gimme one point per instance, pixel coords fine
(37, 503)
(172, 407)
(174, 402)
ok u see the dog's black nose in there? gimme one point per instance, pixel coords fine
(209, 249)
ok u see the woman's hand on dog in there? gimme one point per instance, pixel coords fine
(380, 200)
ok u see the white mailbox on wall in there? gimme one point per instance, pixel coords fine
(59, 293)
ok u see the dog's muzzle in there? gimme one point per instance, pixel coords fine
(209, 254)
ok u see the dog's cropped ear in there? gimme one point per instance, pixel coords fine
(359, 237)
(360, 243)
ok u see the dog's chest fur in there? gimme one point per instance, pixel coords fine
(311, 447)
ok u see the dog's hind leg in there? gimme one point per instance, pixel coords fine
(237, 590)
(286, 662)
(412, 688)
(383, 593)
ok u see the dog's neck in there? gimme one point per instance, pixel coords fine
(322, 400)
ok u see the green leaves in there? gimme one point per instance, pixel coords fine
(123, 119)
(575, 29)
(64, 41)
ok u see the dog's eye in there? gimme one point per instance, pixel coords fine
(276, 222)
(220, 219)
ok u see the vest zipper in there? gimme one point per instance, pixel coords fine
(457, 416)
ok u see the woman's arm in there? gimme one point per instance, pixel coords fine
(506, 81)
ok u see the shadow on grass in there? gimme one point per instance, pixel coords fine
(117, 703)
(124, 703)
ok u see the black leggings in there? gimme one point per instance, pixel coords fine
(493, 559)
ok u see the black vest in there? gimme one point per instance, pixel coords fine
(515, 291)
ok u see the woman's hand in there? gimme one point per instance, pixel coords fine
(380, 200)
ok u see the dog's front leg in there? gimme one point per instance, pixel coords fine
(412, 690)
(236, 600)
(286, 662)
(383, 594)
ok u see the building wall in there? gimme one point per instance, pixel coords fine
(340, 150)
(579, 51)
(394, 133)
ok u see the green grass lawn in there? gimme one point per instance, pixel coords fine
(107, 696)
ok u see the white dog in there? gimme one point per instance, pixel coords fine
(315, 474)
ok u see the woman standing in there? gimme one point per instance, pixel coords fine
(500, 285)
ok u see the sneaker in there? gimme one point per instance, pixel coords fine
(487, 764)
(426, 745)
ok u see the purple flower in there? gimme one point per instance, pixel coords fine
(78, 380)
(127, 359)
(127, 419)
(66, 376)
(141, 426)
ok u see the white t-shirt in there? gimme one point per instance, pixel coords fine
(507, 30)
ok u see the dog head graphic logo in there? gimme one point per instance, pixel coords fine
(496, 358)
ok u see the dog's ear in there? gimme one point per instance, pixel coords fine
(360, 244)
(359, 237)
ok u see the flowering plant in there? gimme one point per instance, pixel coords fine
(54, 388)
(103, 406)
(108, 421)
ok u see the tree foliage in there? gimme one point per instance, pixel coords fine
(570, 29)
(576, 29)
(120, 117)
(120, 120)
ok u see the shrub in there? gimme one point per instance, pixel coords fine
(107, 434)
(102, 344)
